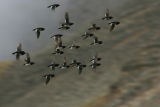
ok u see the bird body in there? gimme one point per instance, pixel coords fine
(38, 31)
(28, 60)
(53, 6)
(19, 51)
(48, 77)
(112, 25)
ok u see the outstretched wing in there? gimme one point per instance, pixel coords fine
(47, 80)
(19, 47)
(112, 27)
(67, 17)
(107, 13)
(27, 57)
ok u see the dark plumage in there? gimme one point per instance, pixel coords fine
(94, 65)
(96, 41)
(38, 31)
(80, 68)
(86, 35)
(113, 25)
(73, 46)
(74, 63)
(48, 77)
(19, 51)
(94, 27)
(107, 16)
(95, 58)
(53, 6)
(64, 27)
(64, 65)
(58, 51)
(53, 66)
(28, 60)
(67, 21)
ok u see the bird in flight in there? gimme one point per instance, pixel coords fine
(107, 16)
(38, 31)
(53, 6)
(74, 46)
(53, 66)
(80, 68)
(19, 51)
(67, 21)
(48, 77)
(28, 60)
(86, 35)
(96, 41)
(64, 65)
(113, 25)
(94, 27)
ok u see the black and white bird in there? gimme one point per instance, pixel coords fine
(94, 64)
(74, 46)
(48, 77)
(58, 51)
(113, 25)
(28, 60)
(59, 43)
(53, 66)
(94, 27)
(86, 35)
(38, 31)
(96, 41)
(107, 16)
(74, 63)
(55, 37)
(53, 6)
(67, 21)
(64, 65)
(80, 68)
(95, 58)
(19, 51)
(64, 27)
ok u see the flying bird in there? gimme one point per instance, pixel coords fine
(59, 43)
(80, 68)
(86, 35)
(64, 65)
(95, 58)
(53, 6)
(94, 27)
(19, 51)
(94, 64)
(53, 66)
(58, 51)
(38, 31)
(55, 37)
(96, 41)
(113, 25)
(74, 46)
(48, 77)
(64, 27)
(67, 21)
(28, 60)
(74, 63)
(107, 16)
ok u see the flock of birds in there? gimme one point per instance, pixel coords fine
(59, 45)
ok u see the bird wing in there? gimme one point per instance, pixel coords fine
(107, 13)
(112, 27)
(47, 80)
(19, 47)
(27, 57)
(67, 17)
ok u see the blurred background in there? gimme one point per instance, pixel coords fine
(129, 75)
